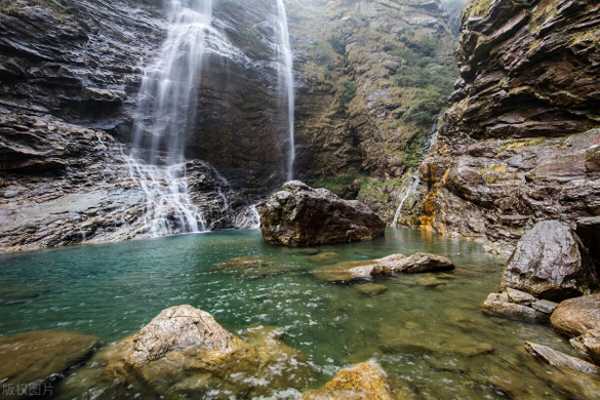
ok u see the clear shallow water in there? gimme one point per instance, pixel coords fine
(426, 330)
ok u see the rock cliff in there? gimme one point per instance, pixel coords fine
(372, 77)
(69, 76)
(520, 142)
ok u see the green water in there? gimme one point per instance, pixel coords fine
(428, 336)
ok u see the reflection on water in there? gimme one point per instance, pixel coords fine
(431, 337)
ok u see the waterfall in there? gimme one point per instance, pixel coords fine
(410, 190)
(416, 181)
(166, 112)
(286, 83)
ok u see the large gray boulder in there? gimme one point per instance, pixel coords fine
(548, 263)
(298, 215)
(178, 328)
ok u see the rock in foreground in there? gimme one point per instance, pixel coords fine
(34, 359)
(548, 263)
(576, 316)
(579, 319)
(178, 328)
(300, 216)
(366, 380)
(185, 353)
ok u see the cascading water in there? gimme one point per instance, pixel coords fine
(166, 113)
(416, 181)
(286, 83)
(411, 189)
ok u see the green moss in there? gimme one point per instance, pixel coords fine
(518, 144)
(339, 184)
(478, 8)
(348, 93)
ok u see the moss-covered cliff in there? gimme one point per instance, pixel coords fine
(373, 76)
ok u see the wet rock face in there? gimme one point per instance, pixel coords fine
(519, 143)
(76, 59)
(35, 361)
(548, 263)
(64, 184)
(69, 76)
(85, 59)
(299, 215)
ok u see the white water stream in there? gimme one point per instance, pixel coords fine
(166, 112)
(286, 83)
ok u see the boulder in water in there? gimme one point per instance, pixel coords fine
(350, 271)
(366, 380)
(185, 353)
(176, 329)
(299, 216)
(31, 361)
(548, 263)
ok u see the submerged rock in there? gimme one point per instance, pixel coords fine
(560, 360)
(362, 381)
(299, 215)
(371, 289)
(252, 266)
(324, 257)
(417, 338)
(548, 263)
(350, 271)
(184, 352)
(32, 360)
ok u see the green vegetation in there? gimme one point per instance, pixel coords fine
(425, 105)
(478, 8)
(414, 152)
(349, 92)
(342, 185)
(518, 144)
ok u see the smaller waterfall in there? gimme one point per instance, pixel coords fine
(416, 181)
(248, 218)
(410, 190)
(286, 82)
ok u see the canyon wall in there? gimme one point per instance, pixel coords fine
(70, 71)
(372, 77)
(521, 141)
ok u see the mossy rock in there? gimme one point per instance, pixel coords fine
(33, 359)
(324, 257)
(366, 380)
(345, 272)
(371, 289)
